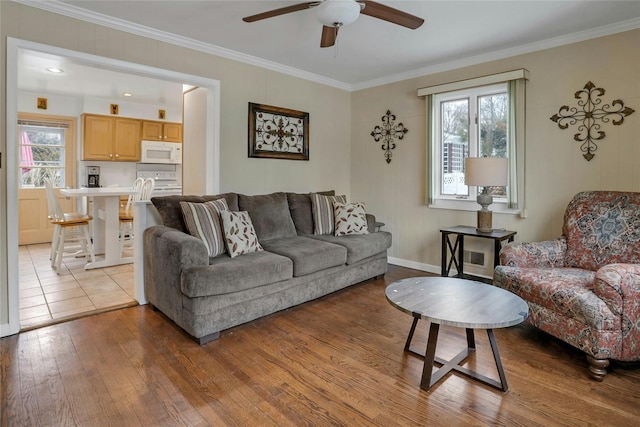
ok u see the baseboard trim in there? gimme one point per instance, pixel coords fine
(435, 269)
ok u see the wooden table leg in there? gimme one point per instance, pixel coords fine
(496, 356)
(471, 339)
(429, 357)
(451, 255)
(429, 378)
(410, 337)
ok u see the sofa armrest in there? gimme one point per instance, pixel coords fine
(167, 252)
(618, 285)
(172, 247)
(549, 253)
(371, 222)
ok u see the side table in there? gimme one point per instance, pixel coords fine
(456, 251)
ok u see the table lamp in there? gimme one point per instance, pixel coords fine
(485, 172)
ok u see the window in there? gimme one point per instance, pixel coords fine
(468, 123)
(481, 117)
(41, 154)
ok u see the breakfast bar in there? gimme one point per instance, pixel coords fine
(106, 226)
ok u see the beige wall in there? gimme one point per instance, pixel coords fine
(555, 168)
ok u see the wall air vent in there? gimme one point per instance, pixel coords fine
(474, 258)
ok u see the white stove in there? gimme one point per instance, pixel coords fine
(168, 180)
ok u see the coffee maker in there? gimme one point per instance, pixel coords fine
(93, 176)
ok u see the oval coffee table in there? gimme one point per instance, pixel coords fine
(460, 303)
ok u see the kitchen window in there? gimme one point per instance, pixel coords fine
(481, 117)
(41, 153)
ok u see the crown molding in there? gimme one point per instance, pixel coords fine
(71, 11)
(119, 24)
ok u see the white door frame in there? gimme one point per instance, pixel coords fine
(10, 282)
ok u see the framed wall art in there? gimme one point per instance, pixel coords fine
(278, 133)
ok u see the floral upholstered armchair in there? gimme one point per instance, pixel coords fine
(584, 288)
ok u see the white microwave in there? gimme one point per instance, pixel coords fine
(161, 152)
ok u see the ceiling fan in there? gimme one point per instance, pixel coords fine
(334, 14)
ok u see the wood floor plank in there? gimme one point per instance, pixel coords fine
(297, 376)
(201, 388)
(136, 351)
(337, 360)
(91, 398)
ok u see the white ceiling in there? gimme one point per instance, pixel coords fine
(369, 51)
(86, 81)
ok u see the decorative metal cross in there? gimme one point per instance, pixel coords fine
(388, 132)
(589, 130)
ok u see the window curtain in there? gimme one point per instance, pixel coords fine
(516, 144)
(512, 194)
(430, 149)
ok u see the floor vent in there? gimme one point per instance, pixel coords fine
(474, 258)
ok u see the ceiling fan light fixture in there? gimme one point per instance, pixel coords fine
(338, 12)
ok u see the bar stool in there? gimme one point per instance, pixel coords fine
(70, 230)
(143, 189)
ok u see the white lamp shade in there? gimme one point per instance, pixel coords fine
(486, 171)
(343, 12)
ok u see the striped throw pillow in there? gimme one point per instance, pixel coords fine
(203, 221)
(322, 207)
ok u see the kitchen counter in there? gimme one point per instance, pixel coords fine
(106, 222)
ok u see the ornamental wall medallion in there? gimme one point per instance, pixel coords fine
(278, 133)
(587, 115)
(388, 133)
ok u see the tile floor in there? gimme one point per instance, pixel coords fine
(48, 297)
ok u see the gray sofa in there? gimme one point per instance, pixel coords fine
(206, 295)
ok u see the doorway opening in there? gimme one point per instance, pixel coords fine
(9, 282)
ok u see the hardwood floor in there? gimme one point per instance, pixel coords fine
(338, 360)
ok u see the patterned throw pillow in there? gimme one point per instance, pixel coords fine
(350, 218)
(239, 233)
(203, 221)
(322, 208)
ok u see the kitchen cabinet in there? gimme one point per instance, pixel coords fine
(161, 131)
(110, 138)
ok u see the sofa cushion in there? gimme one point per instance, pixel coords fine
(565, 291)
(308, 255)
(322, 208)
(602, 227)
(203, 221)
(168, 207)
(350, 218)
(270, 215)
(225, 275)
(360, 246)
(300, 208)
(239, 234)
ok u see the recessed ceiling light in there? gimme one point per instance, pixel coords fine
(127, 94)
(55, 70)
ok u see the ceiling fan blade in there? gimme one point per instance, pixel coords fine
(281, 11)
(329, 36)
(389, 14)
